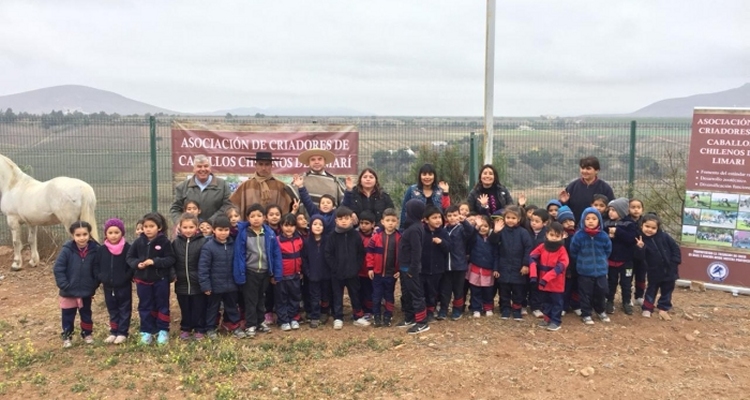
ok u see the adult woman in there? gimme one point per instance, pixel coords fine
(366, 195)
(427, 189)
(489, 195)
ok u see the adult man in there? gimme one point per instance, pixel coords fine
(580, 193)
(262, 187)
(211, 192)
(318, 181)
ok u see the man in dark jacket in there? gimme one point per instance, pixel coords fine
(410, 265)
(345, 255)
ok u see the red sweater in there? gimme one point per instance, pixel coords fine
(548, 268)
(291, 255)
(365, 241)
(375, 253)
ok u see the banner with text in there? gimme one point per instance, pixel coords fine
(228, 145)
(716, 215)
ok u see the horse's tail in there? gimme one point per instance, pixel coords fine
(88, 205)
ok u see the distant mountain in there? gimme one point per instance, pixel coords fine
(683, 107)
(73, 98)
(296, 112)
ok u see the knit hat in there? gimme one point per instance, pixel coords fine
(222, 222)
(621, 205)
(116, 222)
(565, 214)
(553, 202)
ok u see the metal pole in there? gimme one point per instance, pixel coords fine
(631, 161)
(473, 160)
(489, 82)
(152, 144)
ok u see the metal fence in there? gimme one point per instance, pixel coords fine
(128, 159)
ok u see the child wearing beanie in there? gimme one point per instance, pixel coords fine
(622, 231)
(112, 270)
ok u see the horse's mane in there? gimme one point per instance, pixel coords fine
(17, 173)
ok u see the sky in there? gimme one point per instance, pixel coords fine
(416, 57)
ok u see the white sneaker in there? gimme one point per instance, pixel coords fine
(646, 314)
(488, 313)
(639, 301)
(286, 327)
(120, 339)
(524, 312)
(476, 314)
(577, 311)
(67, 343)
(89, 339)
(338, 324)
(604, 317)
(295, 325)
(361, 322)
(537, 314)
(110, 339)
(587, 320)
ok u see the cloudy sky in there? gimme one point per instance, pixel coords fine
(416, 57)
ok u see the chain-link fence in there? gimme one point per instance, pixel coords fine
(534, 156)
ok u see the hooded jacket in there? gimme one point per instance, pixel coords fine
(215, 272)
(75, 275)
(314, 265)
(435, 256)
(623, 244)
(187, 253)
(344, 253)
(291, 255)
(514, 246)
(273, 253)
(460, 235)
(376, 253)
(158, 249)
(410, 246)
(548, 268)
(590, 251)
(662, 257)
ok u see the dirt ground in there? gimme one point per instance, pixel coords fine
(703, 353)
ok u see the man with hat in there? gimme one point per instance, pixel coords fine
(318, 181)
(262, 187)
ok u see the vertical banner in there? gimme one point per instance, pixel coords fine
(716, 215)
(228, 144)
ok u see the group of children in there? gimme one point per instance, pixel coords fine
(261, 262)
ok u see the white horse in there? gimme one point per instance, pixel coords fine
(25, 200)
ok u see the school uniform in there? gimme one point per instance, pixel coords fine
(410, 263)
(116, 276)
(533, 297)
(661, 256)
(514, 246)
(315, 269)
(152, 282)
(549, 261)
(192, 301)
(365, 283)
(482, 264)
(454, 277)
(288, 290)
(345, 254)
(382, 259)
(434, 263)
(590, 249)
(75, 277)
(215, 275)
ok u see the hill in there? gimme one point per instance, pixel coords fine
(682, 107)
(286, 112)
(73, 98)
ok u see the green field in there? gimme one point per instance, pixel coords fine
(743, 225)
(732, 206)
(688, 238)
(694, 204)
(713, 243)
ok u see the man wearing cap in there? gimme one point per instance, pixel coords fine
(209, 191)
(262, 187)
(318, 181)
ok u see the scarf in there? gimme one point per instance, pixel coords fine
(343, 230)
(82, 252)
(592, 232)
(265, 191)
(115, 249)
(552, 246)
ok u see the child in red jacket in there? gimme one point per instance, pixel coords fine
(549, 261)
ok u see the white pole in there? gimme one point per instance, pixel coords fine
(489, 82)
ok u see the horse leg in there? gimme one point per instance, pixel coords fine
(34, 261)
(15, 230)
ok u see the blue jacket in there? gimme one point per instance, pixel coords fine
(75, 275)
(435, 256)
(482, 252)
(314, 265)
(273, 253)
(662, 257)
(329, 218)
(414, 192)
(113, 270)
(590, 253)
(623, 244)
(538, 238)
(460, 235)
(215, 266)
(158, 249)
(514, 247)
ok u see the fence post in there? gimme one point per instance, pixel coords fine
(152, 145)
(631, 161)
(472, 159)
